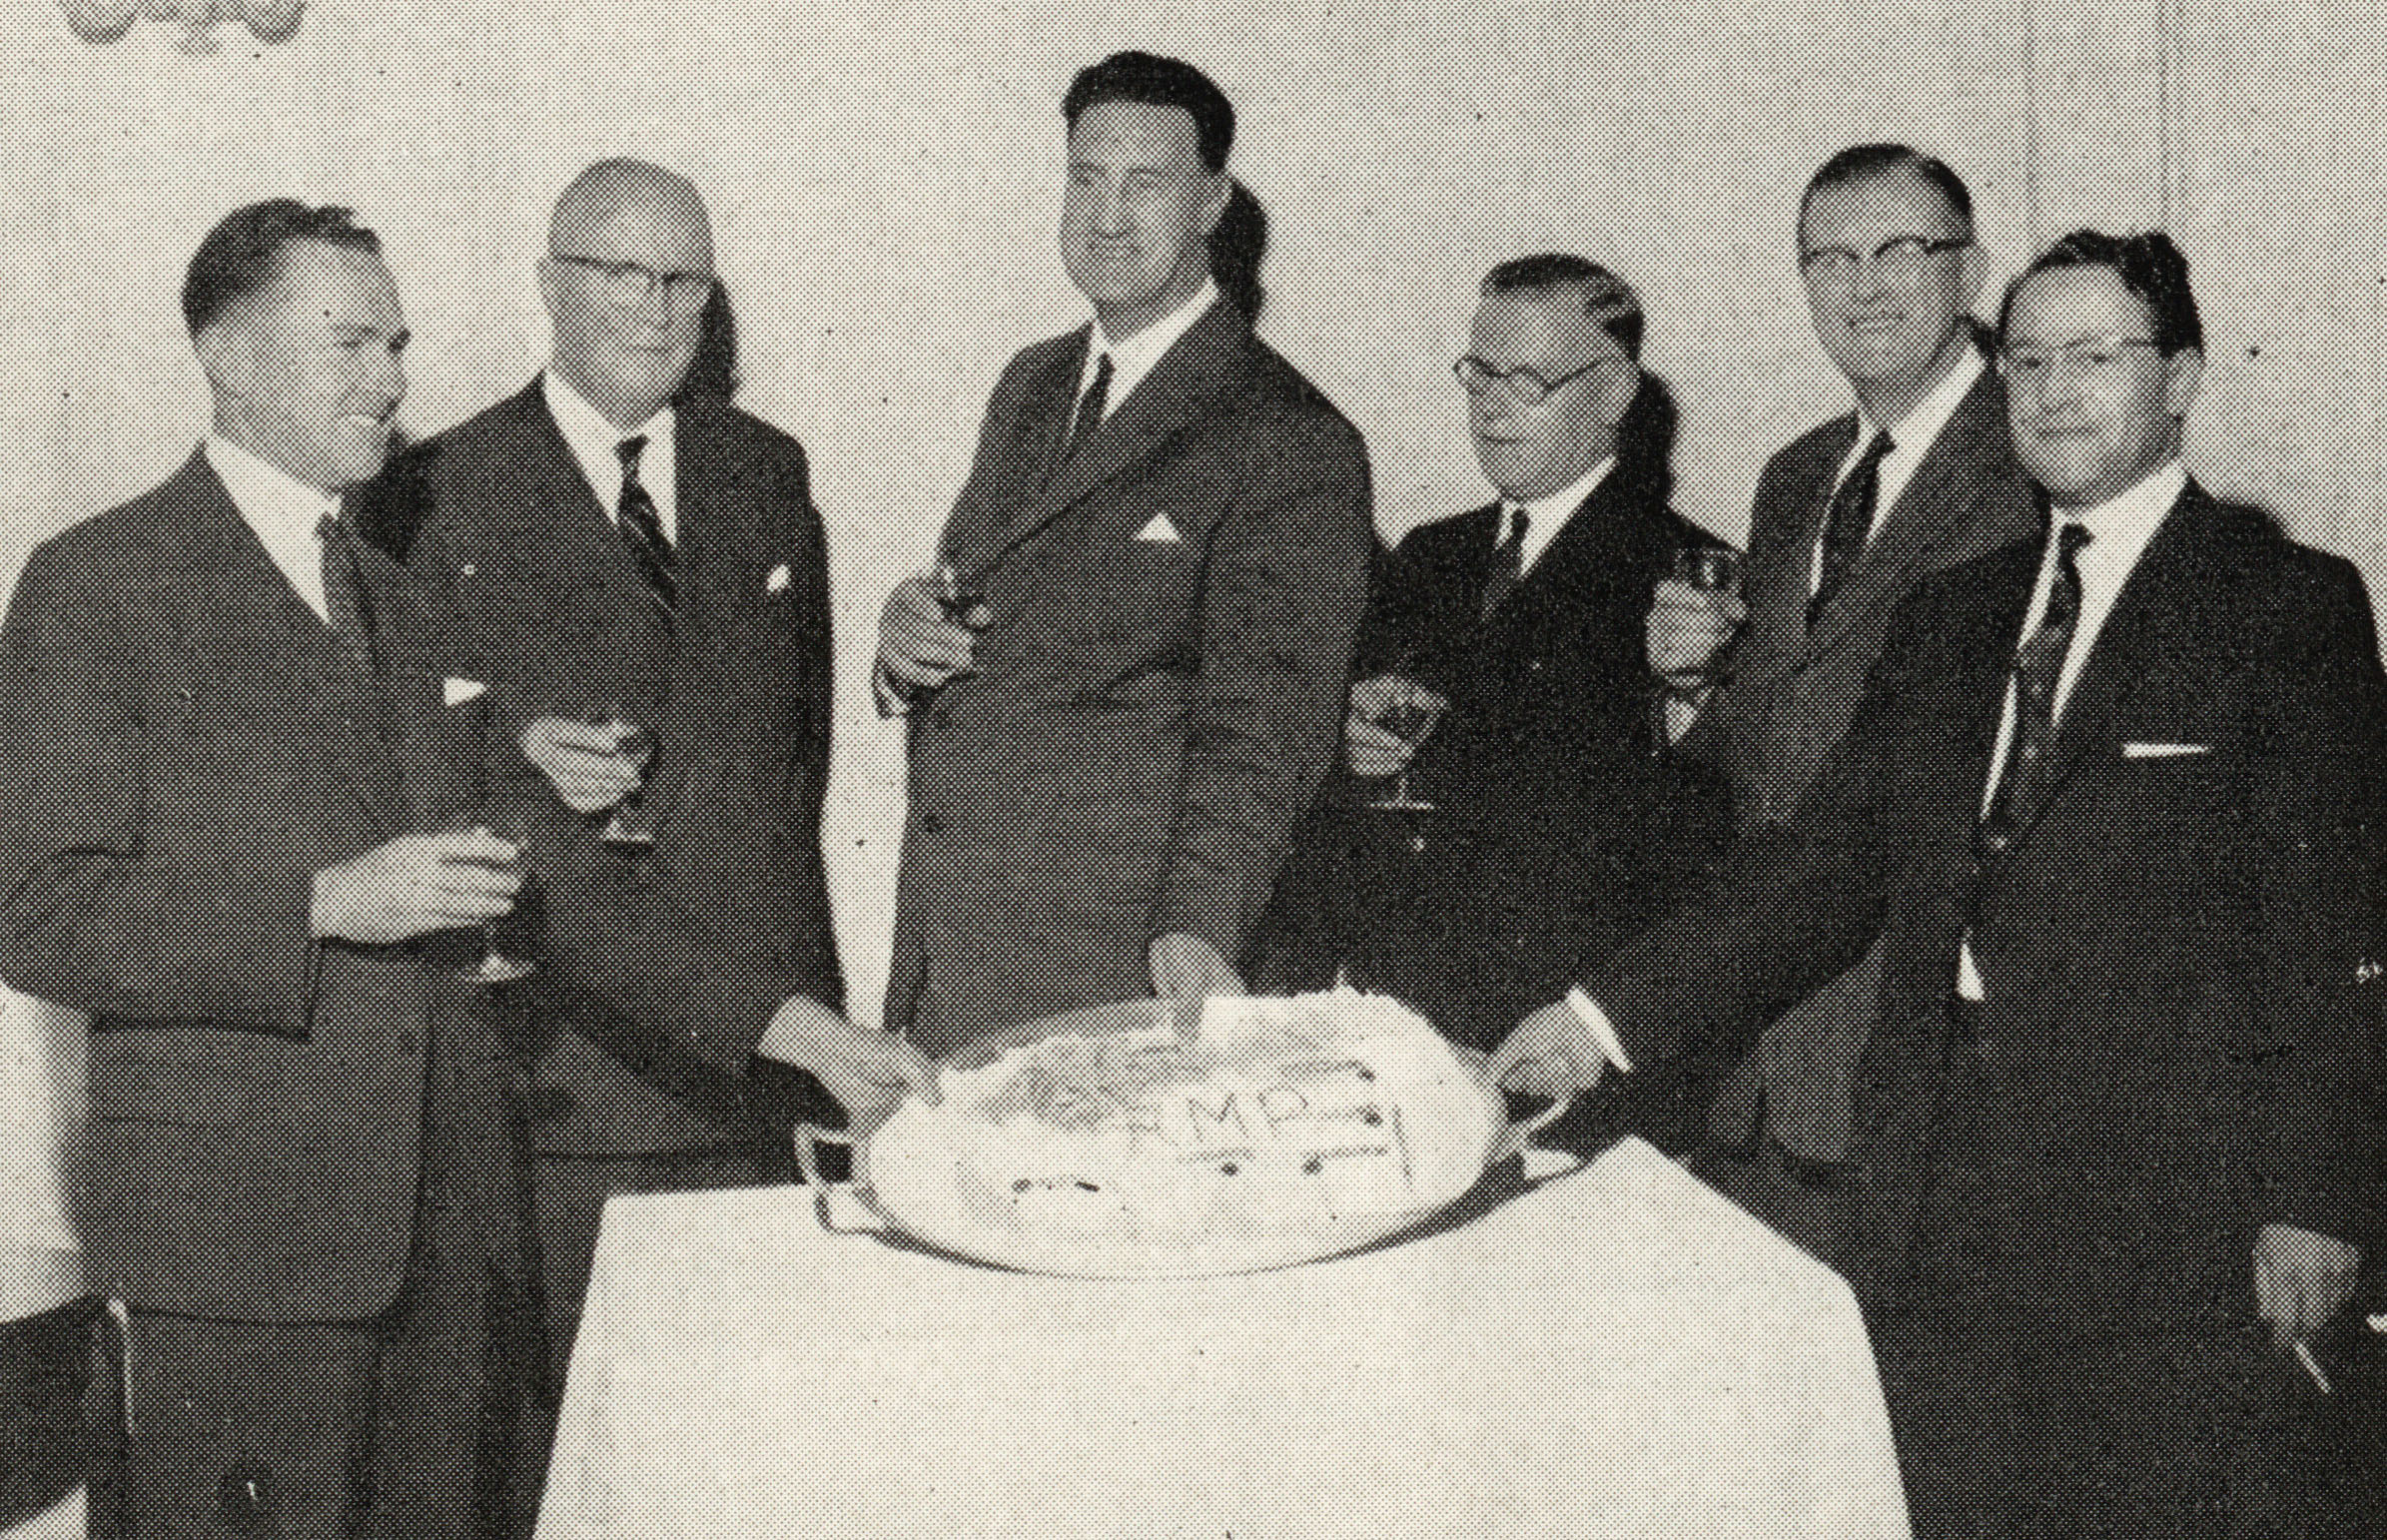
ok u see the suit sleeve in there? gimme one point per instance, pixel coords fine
(1286, 589)
(2318, 817)
(1790, 909)
(109, 909)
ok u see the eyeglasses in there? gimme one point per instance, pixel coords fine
(1525, 385)
(1898, 262)
(2030, 363)
(630, 283)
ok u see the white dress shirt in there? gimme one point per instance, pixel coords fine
(1547, 515)
(596, 446)
(1134, 358)
(284, 514)
(1910, 439)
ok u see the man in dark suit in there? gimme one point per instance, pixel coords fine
(1838, 534)
(225, 727)
(2110, 802)
(648, 581)
(1126, 673)
(1513, 636)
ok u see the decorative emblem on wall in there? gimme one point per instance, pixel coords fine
(104, 21)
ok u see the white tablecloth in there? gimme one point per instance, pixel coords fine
(1617, 1352)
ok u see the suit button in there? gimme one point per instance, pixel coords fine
(1999, 842)
(552, 1104)
(244, 1500)
(929, 823)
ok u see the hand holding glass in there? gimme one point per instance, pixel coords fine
(633, 825)
(1700, 625)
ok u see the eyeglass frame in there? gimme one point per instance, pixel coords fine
(1525, 385)
(634, 282)
(2080, 354)
(1840, 265)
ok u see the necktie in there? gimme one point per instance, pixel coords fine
(1508, 568)
(642, 528)
(2038, 664)
(1847, 523)
(346, 603)
(1091, 407)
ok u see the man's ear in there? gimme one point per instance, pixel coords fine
(2183, 372)
(225, 358)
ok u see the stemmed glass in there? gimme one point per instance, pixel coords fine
(1710, 569)
(500, 960)
(631, 827)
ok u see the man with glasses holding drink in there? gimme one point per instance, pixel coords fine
(1507, 805)
(1847, 519)
(2112, 807)
(644, 573)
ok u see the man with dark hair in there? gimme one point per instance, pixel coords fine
(2111, 804)
(645, 574)
(237, 785)
(1500, 681)
(1125, 672)
(1848, 518)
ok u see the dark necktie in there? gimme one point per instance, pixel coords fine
(642, 528)
(2039, 665)
(1847, 523)
(346, 603)
(1091, 407)
(1508, 567)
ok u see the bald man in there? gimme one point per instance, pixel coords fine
(644, 576)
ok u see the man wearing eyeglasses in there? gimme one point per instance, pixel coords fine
(1500, 688)
(644, 573)
(2111, 804)
(1847, 519)
(1124, 672)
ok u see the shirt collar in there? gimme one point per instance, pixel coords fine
(282, 511)
(1548, 514)
(1133, 357)
(1914, 433)
(596, 443)
(2124, 522)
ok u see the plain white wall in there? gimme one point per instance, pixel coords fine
(885, 179)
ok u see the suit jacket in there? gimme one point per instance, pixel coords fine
(2175, 1048)
(182, 745)
(659, 970)
(1794, 690)
(1158, 694)
(1558, 819)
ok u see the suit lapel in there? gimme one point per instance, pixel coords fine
(1778, 612)
(1175, 394)
(243, 611)
(2162, 594)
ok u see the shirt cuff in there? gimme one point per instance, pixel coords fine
(1603, 1031)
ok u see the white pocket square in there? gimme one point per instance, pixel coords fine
(1161, 531)
(2164, 750)
(454, 692)
(777, 581)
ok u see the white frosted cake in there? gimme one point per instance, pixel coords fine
(1282, 1128)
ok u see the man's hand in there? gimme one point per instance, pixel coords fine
(1185, 967)
(1551, 1054)
(587, 764)
(869, 1072)
(1687, 627)
(1375, 743)
(2300, 1279)
(922, 643)
(415, 885)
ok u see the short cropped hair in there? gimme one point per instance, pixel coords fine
(243, 255)
(1608, 299)
(1133, 76)
(1866, 163)
(2149, 265)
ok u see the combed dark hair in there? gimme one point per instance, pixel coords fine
(1645, 434)
(2149, 265)
(1864, 163)
(243, 254)
(1238, 245)
(1163, 82)
(1608, 299)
